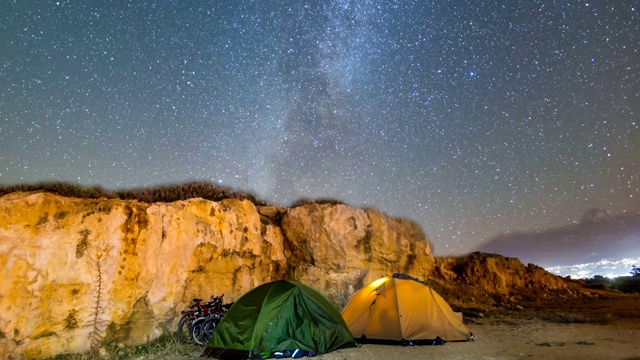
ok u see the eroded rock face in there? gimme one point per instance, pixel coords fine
(339, 249)
(494, 280)
(76, 271)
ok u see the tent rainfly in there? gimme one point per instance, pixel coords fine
(402, 309)
(279, 319)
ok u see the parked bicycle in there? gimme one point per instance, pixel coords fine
(203, 328)
(199, 322)
(197, 309)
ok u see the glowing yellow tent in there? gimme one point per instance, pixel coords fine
(400, 308)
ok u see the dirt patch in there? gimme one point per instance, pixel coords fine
(597, 329)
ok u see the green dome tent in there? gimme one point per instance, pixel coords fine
(279, 317)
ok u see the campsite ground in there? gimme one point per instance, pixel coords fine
(603, 327)
(595, 329)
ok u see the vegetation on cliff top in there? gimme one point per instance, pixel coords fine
(160, 193)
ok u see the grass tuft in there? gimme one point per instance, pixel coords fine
(164, 348)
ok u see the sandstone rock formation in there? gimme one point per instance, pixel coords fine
(76, 274)
(489, 280)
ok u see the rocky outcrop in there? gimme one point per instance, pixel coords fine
(76, 274)
(490, 280)
(339, 252)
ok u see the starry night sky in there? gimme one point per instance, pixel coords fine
(471, 118)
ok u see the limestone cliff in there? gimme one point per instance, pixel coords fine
(77, 273)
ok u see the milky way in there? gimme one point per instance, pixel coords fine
(471, 119)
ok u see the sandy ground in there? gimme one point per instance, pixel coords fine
(594, 329)
(599, 330)
(507, 338)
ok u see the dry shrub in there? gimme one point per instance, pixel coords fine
(61, 188)
(161, 193)
(321, 201)
(190, 190)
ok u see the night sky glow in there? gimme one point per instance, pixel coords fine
(471, 118)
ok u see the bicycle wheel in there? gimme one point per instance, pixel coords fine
(208, 328)
(196, 331)
(184, 328)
